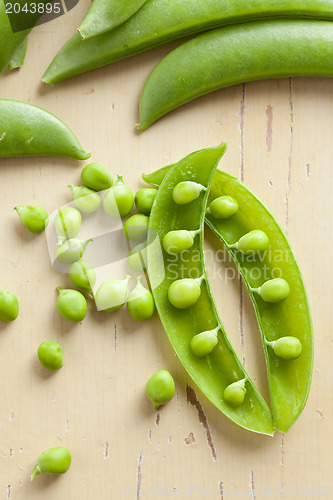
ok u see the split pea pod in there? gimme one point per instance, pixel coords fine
(105, 15)
(158, 22)
(220, 368)
(27, 130)
(288, 320)
(235, 54)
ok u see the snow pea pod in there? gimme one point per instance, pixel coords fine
(19, 55)
(158, 22)
(214, 372)
(26, 130)
(105, 15)
(289, 380)
(236, 54)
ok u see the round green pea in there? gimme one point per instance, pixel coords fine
(274, 290)
(203, 343)
(86, 200)
(136, 227)
(71, 304)
(140, 302)
(53, 461)
(254, 241)
(95, 176)
(70, 251)
(287, 348)
(234, 394)
(144, 199)
(9, 306)
(51, 356)
(223, 207)
(186, 191)
(35, 219)
(118, 199)
(184, 293)
(67, 222)
(175, 242)
(137, 259)
(83, 275)
(160, 388)
(112, 294)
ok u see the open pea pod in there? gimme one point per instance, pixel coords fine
(289, 379)
(159, 22)
(216, 371)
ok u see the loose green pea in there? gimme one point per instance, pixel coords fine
(160, 388)
(71, 304)
(35, 219)
(175, 242)
(95, 176)
(136, 227)
(286, 347)
(144, 199)
(186, 191)
(137, 259)
(274, 290)
(118, 199)
(184, 293)
(234, 394)
(223, 207)
(68, 222)
(203, 343)
(112, 294)
(9, 306)
(140, 302)
(86, 200)
(83, 275)
(51, 356)
(70, 251)
(254, 241)
(53, 461)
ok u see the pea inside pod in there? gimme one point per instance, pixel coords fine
(286, 347)
(255, 241)
(86, 200)
(176, 242)
(186, 191)
(234, 394)
(185, 292)
(223, 207)
(203, 343)
(34, 218)
(274, 290)
(53, 461)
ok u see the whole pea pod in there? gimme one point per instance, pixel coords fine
(184, 300)
(19, 55)
(26, 130)
(105, 15)
(158, 22)
(236, 54)
(281, 306)
(14, 28)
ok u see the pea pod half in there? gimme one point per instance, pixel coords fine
(26, 130)
(105, 15)
(289, 379)
(220, 368)
(158, 22)
(236, 54)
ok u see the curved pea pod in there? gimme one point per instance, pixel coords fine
(157, 23)
(53, 461)
(105, 15)
(289, 379)
(27, 130)
(221, 367)
(19, 55)
(236, 54)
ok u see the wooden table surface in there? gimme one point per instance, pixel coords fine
(279, 135)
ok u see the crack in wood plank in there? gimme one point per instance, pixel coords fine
(221, 490)
(253, 487)
(139, 477)
(193, 400)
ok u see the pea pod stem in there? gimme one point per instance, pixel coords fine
(236, 54)
(157, 23)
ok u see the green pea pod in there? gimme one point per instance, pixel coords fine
(157, 23)
(105, 15)
(217, 370)
(14, 28)
(19, 55)
(236, 54)
(26, 130)
(289, 381)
